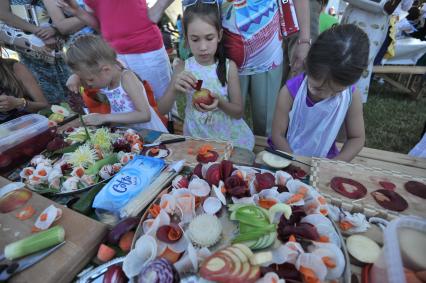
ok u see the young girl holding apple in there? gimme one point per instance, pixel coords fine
(215, 111)
(312, 107)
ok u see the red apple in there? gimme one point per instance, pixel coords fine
(202, 96)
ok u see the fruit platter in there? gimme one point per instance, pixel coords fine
(227, 223)
(81, 158)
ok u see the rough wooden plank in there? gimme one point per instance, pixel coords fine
(414, 70)
(82, 237)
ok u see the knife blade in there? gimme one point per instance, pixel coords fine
(165, 142)
(284, 155)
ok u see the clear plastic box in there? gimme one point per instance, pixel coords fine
(22, 138)
(400, 250)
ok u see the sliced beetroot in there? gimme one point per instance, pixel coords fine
(296, 172)
(285, 271)
(239, 192)
(355, 191)
(214, 174)
(297, 213)
(211, 156)
(234, 181)
(302, 230)
(169, 233)
(416, 188)
(390, 200)
(264, 181)
(387, 185)
(197, 170)
(227, 168)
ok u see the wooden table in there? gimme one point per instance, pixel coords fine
(368, 157)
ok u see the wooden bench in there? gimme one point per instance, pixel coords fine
(407, 79)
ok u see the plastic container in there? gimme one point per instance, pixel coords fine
(404, 247)
(22, 138)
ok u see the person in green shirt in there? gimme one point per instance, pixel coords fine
(326, 21)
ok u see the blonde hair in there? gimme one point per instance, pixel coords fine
(88, 53)
(9, 83)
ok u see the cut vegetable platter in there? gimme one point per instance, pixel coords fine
(81, 158)
(189, 150)
(372, 191)
(227, 223)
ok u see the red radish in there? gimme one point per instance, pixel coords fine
(126, 240)
(105, 253)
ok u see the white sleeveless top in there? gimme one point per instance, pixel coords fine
(121, 102)
(313, 130)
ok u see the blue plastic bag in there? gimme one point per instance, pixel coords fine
(128, 183)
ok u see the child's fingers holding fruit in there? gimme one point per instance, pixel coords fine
(185, 81)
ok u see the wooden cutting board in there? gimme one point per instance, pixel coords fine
(82, 236)
(323, 170)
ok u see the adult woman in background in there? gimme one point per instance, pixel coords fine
(19, 91)
(51, 75)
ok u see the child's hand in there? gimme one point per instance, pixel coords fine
(185, 81)
(45, 33)
(94, 119)
(74, 83)
(69, 6)
(206, 108)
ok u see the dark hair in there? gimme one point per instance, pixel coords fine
(210, 14)
(339, 55)
(9, 83)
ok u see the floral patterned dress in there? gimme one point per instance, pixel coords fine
(214, 124)
(51, 77)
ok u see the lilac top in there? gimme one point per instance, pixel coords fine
(293, 86)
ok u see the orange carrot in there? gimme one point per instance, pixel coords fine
(26, 213)
(43, 217)
(328, 262)
(170, 255)
(309, 275)
(295, 198)
(324, 239)
(345, 225)
(105, 253)
(126, 240)
(42, 172)
(267, 203)
(198, 201)
(154, 210)
(203, 150)
(174, 234)
(324, 211)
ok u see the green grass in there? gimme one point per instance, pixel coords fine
(393, 121)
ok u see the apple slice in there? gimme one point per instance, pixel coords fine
(237, 262)
(245, 249)
(238, 253)
(244, 274)
(254, 274)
